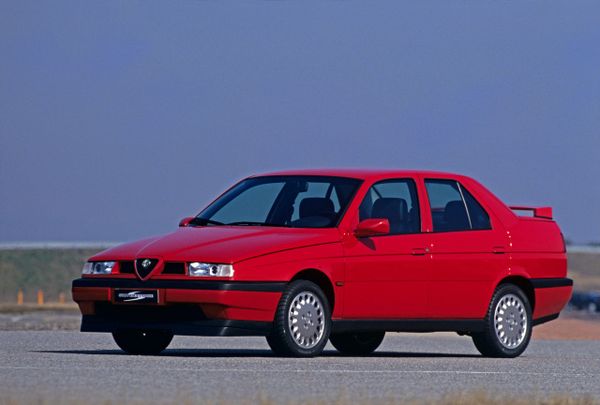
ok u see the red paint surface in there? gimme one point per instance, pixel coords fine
(424, 275)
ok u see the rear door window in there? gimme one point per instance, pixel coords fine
(453, 208)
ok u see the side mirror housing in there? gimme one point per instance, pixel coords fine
(372, 227)
(185, 221)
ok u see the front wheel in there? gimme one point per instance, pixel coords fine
(507, 325)
(302, 321)
(142, 342)
(357, 343)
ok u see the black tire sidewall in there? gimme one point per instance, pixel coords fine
(357, 343)
(281, 332)
(492, 339)
(133, 341)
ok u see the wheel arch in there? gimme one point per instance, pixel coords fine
(524, 284)
(321, 279)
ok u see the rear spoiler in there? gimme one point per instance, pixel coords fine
(538, 212)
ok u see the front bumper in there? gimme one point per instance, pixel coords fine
(185, 307)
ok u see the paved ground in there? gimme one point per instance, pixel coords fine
(63, 365)
(14, 320)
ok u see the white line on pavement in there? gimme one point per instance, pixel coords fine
(331, 371)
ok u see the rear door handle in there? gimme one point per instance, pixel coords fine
(498, 250)
(419, 251)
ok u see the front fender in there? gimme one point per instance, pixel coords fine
(283, 266)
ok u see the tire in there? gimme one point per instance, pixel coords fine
(142, 342)
(493, 342)
(302, 332)
(357, 343)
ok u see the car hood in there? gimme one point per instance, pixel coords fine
(219, 244)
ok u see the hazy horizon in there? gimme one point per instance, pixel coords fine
(120, 118)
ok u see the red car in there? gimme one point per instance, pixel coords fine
(303, 257)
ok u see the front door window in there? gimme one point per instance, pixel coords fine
(396, 201)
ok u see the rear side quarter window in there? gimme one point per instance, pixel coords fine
(479, 217)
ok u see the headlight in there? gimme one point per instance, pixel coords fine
(98, 267)
(198, 269)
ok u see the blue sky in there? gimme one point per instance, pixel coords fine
(117, 118)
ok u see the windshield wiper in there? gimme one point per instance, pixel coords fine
(204, 221)
(248, 223)
(254, 223)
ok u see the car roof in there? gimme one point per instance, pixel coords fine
(361, 173)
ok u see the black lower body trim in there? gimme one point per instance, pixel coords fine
(544, 319)
(181, 284)
(551, 282)
(409, 325)
(216, 327)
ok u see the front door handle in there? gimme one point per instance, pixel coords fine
(419, 251)
(498, 250)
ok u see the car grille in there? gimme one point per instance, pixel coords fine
(126, 267)
(173, 268)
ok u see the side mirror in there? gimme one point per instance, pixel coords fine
(372, 227)
(185, 221)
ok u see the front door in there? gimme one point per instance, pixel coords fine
(386, 275)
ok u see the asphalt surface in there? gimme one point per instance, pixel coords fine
(59, 365)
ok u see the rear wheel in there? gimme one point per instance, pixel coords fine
(142, 342)
(507, 324)
(302, 321)
(357, 343)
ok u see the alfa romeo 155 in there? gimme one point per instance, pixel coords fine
(306, 257)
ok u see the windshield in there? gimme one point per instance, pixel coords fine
(288, 201)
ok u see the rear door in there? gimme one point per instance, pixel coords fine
(467, 251)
